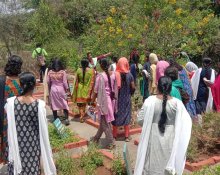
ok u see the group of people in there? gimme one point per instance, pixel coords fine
(174, 95)
(110, 92)
(196, 87)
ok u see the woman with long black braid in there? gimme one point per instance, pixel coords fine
(85, 78)
(106, 93)
(165, 133)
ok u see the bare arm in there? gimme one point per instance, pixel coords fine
(103, 56)
(132, 88)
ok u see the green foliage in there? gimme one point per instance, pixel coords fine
(66, 50)
(118, 168)
(204, 139)
(66, 165)
(56, 141)
(208, 171)
(45, 25)
(70, 28)
(91, 159)
(160, 26)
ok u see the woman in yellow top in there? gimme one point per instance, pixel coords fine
(85, 78)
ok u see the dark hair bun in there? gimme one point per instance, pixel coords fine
(27, 82)
(13, 66)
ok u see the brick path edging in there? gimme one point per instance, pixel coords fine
(82, 142)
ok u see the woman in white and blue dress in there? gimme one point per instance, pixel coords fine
(165, 134)
(28, 139)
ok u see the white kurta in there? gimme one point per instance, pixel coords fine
(160, 153)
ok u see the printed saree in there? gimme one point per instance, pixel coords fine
(9, 88)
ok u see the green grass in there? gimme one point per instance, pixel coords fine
(214, 170)
(55, 139)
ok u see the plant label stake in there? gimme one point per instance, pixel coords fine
(127, 160)
(60, 128)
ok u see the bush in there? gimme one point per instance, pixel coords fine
(91, 159)
(118, 167)
(204, 140)
(66, 165)
(66, 50)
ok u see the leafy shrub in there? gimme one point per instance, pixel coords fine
(56, 141)
(66, 50)
(66, 165)
(204, 140)
(118, 167)
(91, 159)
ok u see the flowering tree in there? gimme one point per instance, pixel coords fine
(161, 26)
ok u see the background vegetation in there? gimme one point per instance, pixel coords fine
(70, 28)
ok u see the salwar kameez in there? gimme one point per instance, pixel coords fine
(27, 127)
(162, 153)
(106, 105)
(160, 145)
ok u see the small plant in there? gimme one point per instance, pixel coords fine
(118, 167)
(66, 165)
(56, 141)
(91, 159)
(208, 171)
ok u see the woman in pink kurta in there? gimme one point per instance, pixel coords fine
(106, 92)
(58, 87)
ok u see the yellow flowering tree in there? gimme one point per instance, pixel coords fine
(116, 32)
(161, 26)
(184, 25)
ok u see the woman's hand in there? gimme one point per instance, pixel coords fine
(207, 82)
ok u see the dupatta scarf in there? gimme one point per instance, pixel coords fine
(183, 126)
(121, 67)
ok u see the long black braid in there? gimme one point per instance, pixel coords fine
(163, 115)
(105, 66)
(164, 87)
(84, 64)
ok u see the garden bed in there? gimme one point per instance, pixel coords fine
(91, 162)
(71, 141)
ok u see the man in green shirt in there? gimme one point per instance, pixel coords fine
(39, 53)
